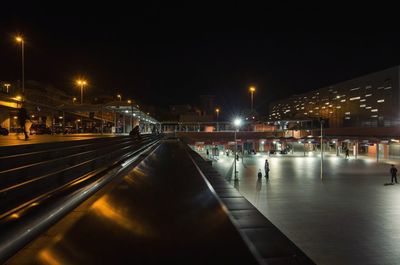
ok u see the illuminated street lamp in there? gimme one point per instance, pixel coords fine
(217, 111)
(252, 90)
(81, 83)
(21, 40)
(7, 86)
(322, 121)
(237, 122)
(74, 99)
(131, 103)
(119, 96)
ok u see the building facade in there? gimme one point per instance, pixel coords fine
(368, 101)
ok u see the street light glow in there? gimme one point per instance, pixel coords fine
(252, 89)
(237, 122)
(81, 82)
(19, 39)
(129, 101)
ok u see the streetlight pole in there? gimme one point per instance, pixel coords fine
(252, 90)
(81, 83)
(322, 147)
(81, 93)
(237, 122)
(217, 111)
(21, 40)
(131, 102)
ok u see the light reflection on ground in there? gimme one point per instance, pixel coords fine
(349, 217)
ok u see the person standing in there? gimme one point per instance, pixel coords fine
(393, 173)
(266, 168)
(347, 152)
(22, 117)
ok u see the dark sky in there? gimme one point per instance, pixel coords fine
(163, 54)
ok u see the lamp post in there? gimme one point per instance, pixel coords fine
(217, 111)
(131, 102)
(322, 147)
(7, 86)
(81, 83)
(237, 122)
(119, 96)
(21, 40)
(252, 90)
(74, 99)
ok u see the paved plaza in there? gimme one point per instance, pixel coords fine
(350, 217)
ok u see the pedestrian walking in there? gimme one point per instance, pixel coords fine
(22, 117)
(207, 153)
(259, 175)
(266, 168)
(347, 152)
(393, 173)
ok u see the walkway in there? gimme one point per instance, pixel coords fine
(350, 217)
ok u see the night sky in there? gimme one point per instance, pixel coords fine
(163, 54)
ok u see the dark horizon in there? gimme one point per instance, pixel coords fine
(158, 59)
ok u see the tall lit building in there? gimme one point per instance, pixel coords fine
(367, 101)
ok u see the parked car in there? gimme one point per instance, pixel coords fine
(39, 129)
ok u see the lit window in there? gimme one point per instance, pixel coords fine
(367, 87)
(338, 107)
(368, 107)
(380, 100)
(356, 88)
(297, 108)
(323, 107)
(374, 110)
(310, 111)
(374, 116)
(316, 108)
(368, 95)
(330, 105)
(388, 87)
(330, 112)
(347, 113)
(347, 118)
(343, 100)
(305, 113)
(362, 100)
(379, 88)
(362, 106)
(327, 103)
(355, 98)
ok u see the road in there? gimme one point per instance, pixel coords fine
(350, 217)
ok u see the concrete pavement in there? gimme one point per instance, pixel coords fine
(349, 217)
